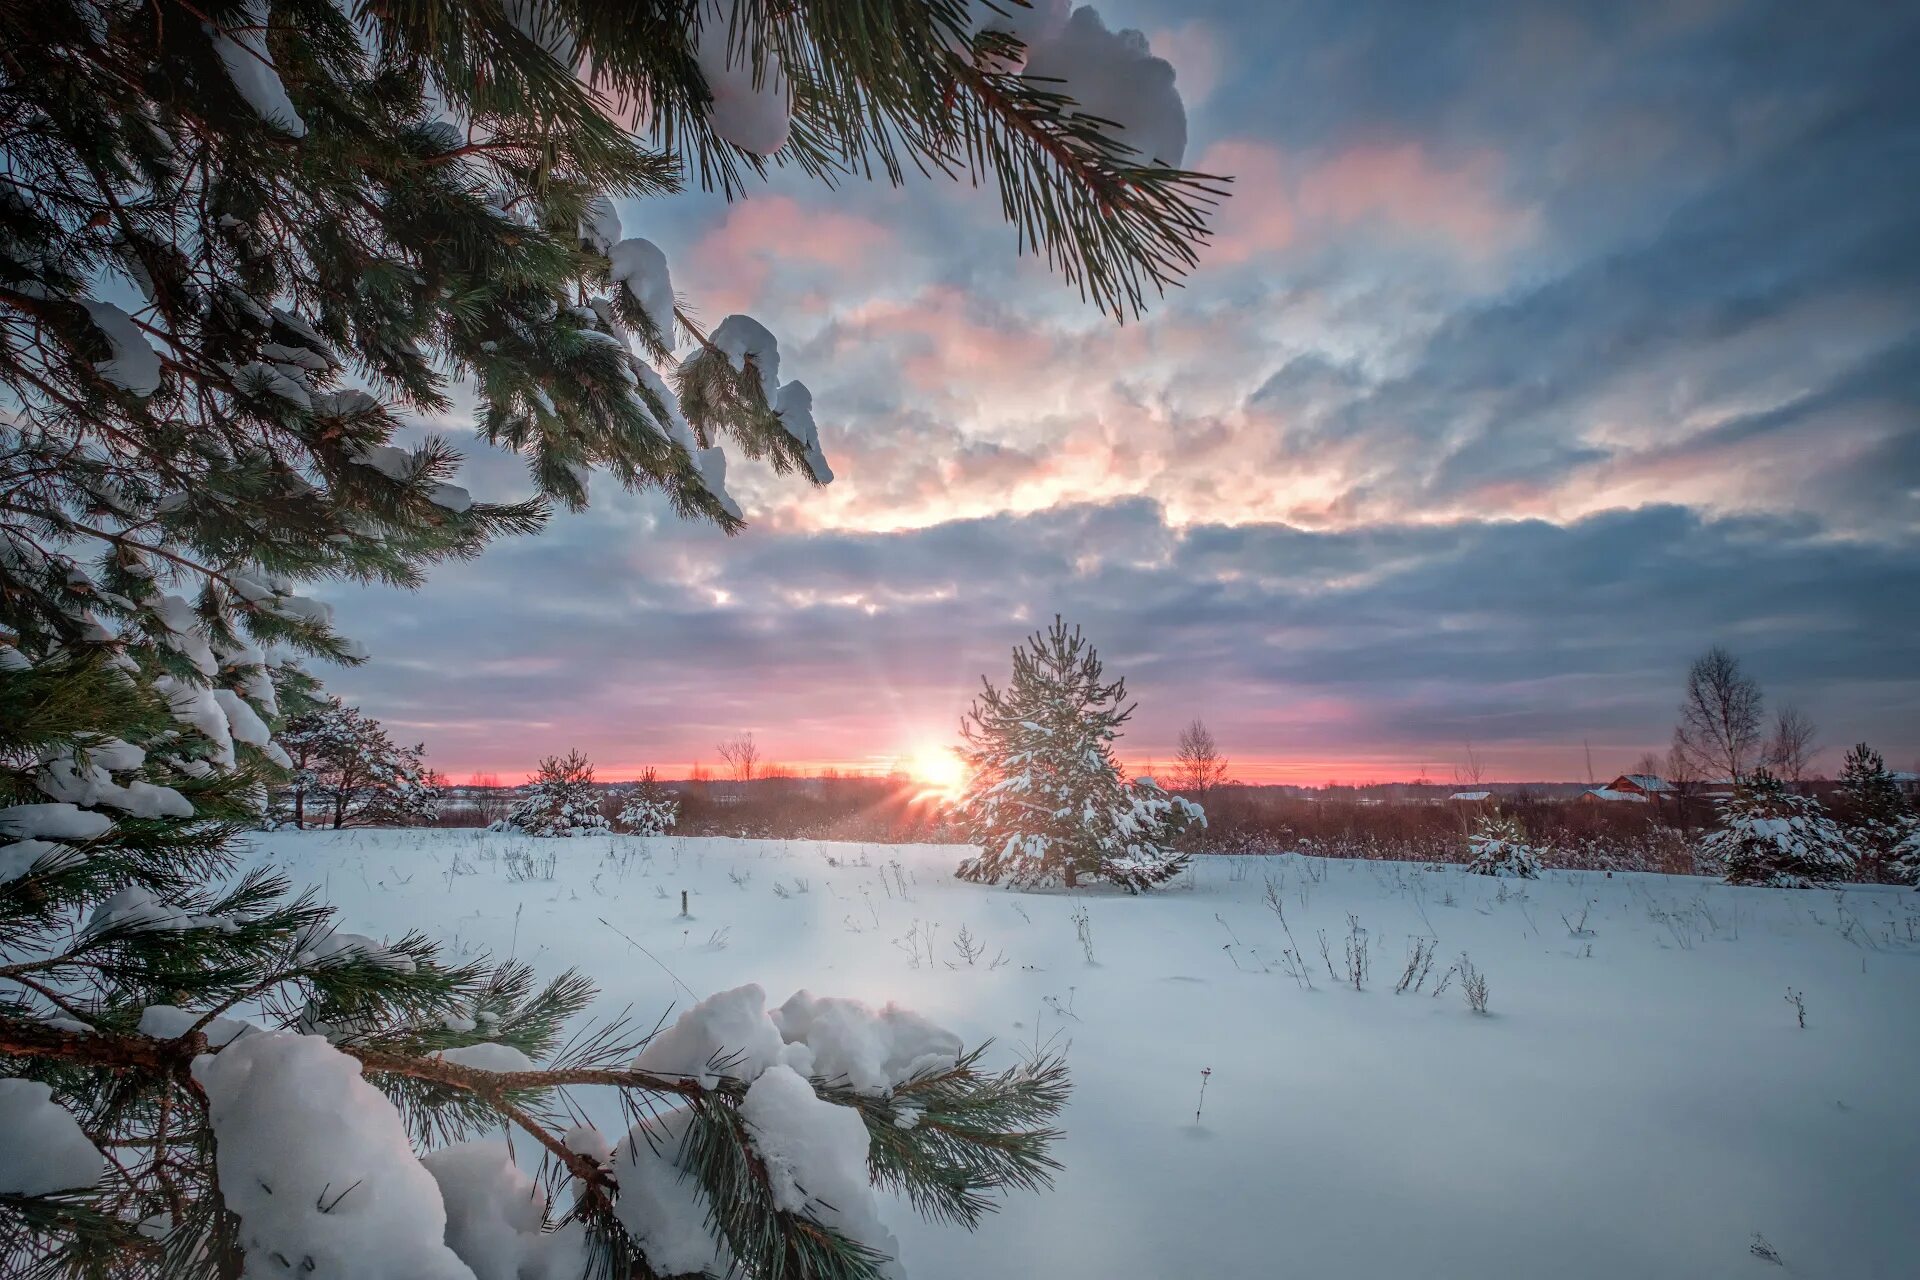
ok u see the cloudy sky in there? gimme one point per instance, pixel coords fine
(1541, 345)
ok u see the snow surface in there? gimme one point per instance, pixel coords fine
(44, 1148)
(1639, 1101)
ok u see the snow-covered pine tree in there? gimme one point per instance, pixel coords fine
(560, 800)
(1771, 836)
(1497, 846)
(1881, 829)
(647, 808)
(239, 241)
(1045, 798)
(348, 771)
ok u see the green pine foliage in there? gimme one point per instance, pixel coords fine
(647, 808)
(239, 243)
(561, 800)
(1046, 800)
(1772, 836)
(1882, 829)
(346, 770)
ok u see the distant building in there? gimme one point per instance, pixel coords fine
(1644, 785)
(1471, 797)
(1602, 795)
(1908, 782)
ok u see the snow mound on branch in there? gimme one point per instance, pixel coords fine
(170, 1022)
(815, 1153)
(59, 821)
(868, 1050)
(496, 1215)
(488, 1055)
(726, 1035)
(134, 366)
(640, 268)
(740, 338)
(18, 858)
(712, 466)
(1113, 75)
(661, 1205)
(795, 407)
(45, 1149)
(1041, 21)
(243, 51)
(755, 118)
(600, 225)
(317, 1165)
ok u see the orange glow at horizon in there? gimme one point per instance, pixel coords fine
(938, 769)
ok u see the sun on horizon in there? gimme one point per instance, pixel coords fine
(939, 769)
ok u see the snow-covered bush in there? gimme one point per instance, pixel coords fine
(647, 808)
(1045, 799)
(1771, 836)
(1498, 847)
(560, 801)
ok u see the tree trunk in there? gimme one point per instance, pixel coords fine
(299, 808)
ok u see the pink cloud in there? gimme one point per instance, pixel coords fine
(1280, 200)
(730, 265)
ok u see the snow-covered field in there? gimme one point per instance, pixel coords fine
(1638, 1101)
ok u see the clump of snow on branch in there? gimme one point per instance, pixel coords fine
(742, 339)
(639, 267)
(660, 1204)
(867, 1050)
(317, 1165)
(243, 51)
(42, 1148)
(815, 1153)
(134, 365)
(1113, 75)
(497, 1216)
(795, 407)
(815, 1150)
(752, 107)
(1031, 25)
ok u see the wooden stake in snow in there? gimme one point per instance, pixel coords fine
(683, 902)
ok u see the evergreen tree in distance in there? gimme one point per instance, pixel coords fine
(1882, 830)
(238, 242)
(1771, 836)
(1045, 798)
(647, 808)
(1498, 847)
(561, 800)
(348, 771)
